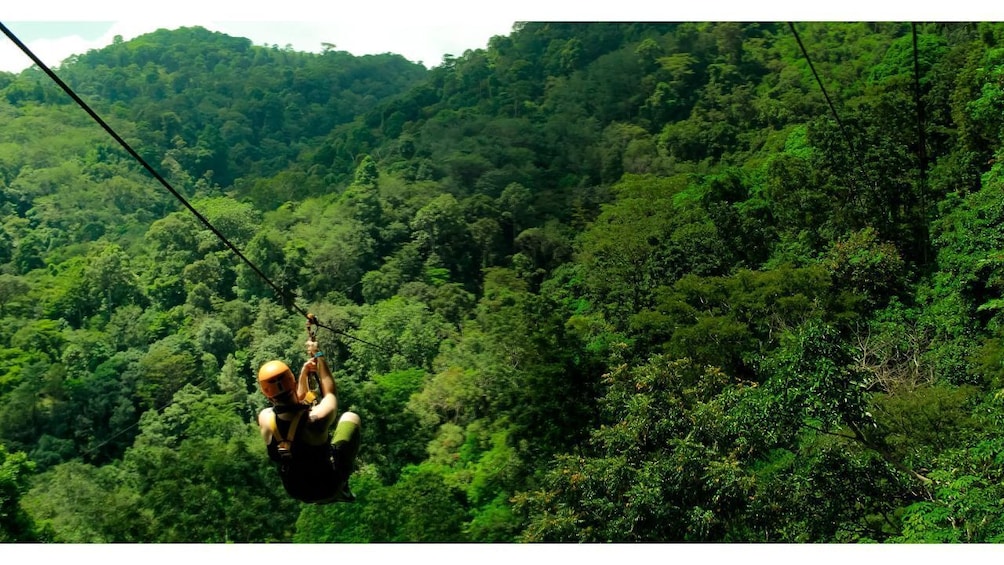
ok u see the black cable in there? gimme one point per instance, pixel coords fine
(287, 300)
(859, 161)
(833, 109)
(360, 340)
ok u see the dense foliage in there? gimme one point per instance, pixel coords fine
(608, 282)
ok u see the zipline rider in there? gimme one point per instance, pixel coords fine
(314, 465)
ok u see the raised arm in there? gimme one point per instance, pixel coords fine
(303, 384)
(329, 401)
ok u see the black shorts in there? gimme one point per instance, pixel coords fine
(321, 477)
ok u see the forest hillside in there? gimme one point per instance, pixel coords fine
(699, 281)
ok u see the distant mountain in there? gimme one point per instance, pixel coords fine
(239, 109)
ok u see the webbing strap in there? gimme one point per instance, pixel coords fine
(292, 427)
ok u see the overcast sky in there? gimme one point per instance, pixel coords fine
(364, 27)
(421, 31)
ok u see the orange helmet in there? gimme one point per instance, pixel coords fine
(276, 379)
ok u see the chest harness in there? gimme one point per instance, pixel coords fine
(284, 442)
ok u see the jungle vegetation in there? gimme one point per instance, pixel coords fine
(610, 282)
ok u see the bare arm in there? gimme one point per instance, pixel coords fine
(329, 401)
(302, 384)
(264, 424)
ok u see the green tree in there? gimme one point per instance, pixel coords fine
(16, 525)
(421, 507)
(203, 474)
(80, 503)
(267, 251)
(647, 476)
(11, 288)
(111, 277)
(167, 366)
(399, 334)
(394, 438)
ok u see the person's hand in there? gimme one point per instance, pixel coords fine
(311, 365)
(311, 347)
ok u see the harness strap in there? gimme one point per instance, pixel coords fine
(286, 442)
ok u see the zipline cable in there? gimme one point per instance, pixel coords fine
(283, 294)
(859, 164)
(833, 109)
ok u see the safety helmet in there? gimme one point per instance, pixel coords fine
(275, 379)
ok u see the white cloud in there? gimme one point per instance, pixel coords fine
(50, 51)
